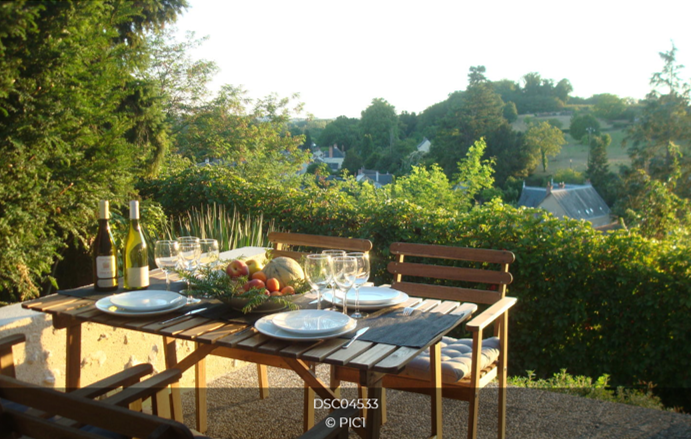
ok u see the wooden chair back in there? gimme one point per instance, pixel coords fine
(297, 245)
(494, 271)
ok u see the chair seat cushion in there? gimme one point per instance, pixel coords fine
(456, 359)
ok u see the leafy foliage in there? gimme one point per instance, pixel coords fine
(75, 126)
(544, 140)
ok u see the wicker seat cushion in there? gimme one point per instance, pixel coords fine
(456, 359)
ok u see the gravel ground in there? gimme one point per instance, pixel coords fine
(235, 411)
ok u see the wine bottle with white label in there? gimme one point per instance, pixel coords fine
(105, 253)
(136, 258)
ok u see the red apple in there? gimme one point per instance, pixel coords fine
(237, 268)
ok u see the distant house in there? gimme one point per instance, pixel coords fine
(376, 178)
(424, 146)
(568, 200)
(333, 157)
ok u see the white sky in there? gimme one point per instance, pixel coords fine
(339, 55)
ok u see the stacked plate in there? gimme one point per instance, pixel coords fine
(141, 303)
(371, 298)
(306, 324)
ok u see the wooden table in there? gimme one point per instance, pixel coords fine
(371, 361)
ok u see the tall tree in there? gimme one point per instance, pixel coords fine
(473, 114)
(380, 122)
(67, 131)
(584, 126)
(665, 119)
(544, 141)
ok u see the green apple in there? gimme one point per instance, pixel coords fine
(254, 266)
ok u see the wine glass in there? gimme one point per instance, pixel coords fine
(190, 252)
(361, 278)
(167, 256)
(344, 275)
(333, 254)
(318, 271)
(210, 254)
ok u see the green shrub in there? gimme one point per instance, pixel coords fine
(613, 304)
(563, 382)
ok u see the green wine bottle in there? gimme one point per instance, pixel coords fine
(105, 254)
(136, 257)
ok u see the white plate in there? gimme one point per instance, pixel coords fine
(148, 300)
(400, 299)
(311, 321)
(109, 307)
(372, 296)
(266, 327)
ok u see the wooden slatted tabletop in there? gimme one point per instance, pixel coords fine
(378, 357)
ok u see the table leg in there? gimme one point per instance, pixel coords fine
(171, 360)
(73, 350)
(200, 393)
(262, 373)
(373, 382)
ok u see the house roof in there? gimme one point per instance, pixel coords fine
(581, 203)
(532, 196)
(577, 201)
(336, 153)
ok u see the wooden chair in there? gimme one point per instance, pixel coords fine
(297, 245)
(467, 364)
(31, 411)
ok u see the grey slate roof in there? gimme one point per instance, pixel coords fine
(532, 196)
(581, 203)
(578, 201)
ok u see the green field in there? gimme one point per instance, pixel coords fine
(574, 155)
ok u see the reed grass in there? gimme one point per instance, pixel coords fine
(232, 230)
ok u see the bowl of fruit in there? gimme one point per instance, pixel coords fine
(249, 287)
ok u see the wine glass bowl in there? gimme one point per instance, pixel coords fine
(344, 276)
(209, 252)
(318, 271)
(333, 253)
(167, 257)
(190, 252)
(361, 277)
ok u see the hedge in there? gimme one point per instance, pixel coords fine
(593, 303)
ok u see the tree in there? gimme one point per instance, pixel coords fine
(563, 89)
(342, 131)
(583, 125)
(608, 106)
(651, 205)
(248, 135)
(71, 112)
(510, 112)
(379, 121)
(474, 174)
(426, 187)
(665, 119)
(545, 141)
(605, 181)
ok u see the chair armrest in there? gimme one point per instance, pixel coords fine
(125, 378)
(490, 314)
(144, 389)
(11, 340)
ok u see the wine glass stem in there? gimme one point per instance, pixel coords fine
(357, 299)
(167, 280)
